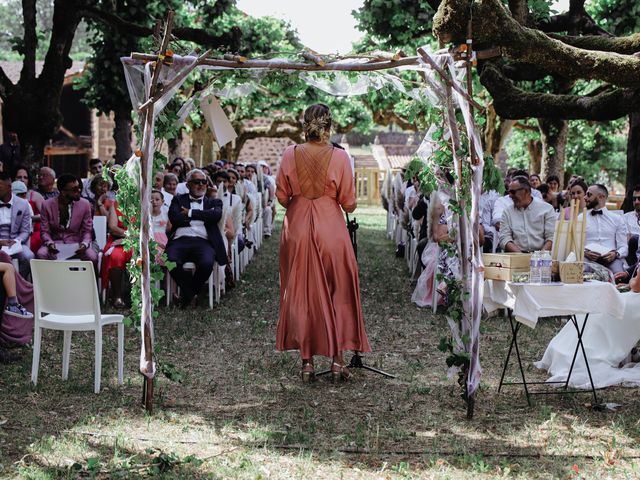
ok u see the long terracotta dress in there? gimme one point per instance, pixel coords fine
(320, 309)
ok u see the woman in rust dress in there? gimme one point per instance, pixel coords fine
(320, 309)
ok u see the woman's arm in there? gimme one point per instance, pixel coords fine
(634, 283)
(112, 223)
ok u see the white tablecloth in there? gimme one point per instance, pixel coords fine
(531, 301)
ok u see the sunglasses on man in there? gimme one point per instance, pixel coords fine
(199, 181)
(513, 191)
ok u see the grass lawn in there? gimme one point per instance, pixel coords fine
(240, 410)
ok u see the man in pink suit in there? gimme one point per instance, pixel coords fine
(67, 219)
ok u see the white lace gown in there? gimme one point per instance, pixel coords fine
(607, 341)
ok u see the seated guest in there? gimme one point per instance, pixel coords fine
(66, 219)
(606, 231)
(100, 196)
(554, 183)
(632, 221)
(195, 236)
(534, 180)
(158, 180)
(549, 197)
(160, 224)
(95, 170)
(269, 211)
(528, 225)
(46, 183)
(577, 191)
(15, 225)
(169, 186)
(436, 259)
(35, 200)
(115, 259)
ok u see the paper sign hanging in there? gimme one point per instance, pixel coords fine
(217, 120)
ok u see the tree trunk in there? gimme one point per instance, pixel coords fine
(122, 135)
(633, 160)
(175, 146)
(535, 156)
(553, 133)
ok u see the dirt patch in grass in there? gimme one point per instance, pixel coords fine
(240, 410)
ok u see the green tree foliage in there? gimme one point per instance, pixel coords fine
(395, 24)
(11, 32)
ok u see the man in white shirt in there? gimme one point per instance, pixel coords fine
(606, 231)
(528, 225)
(632, 222)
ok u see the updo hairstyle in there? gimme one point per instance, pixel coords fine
(316, 124)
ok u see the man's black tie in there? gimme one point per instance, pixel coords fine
(596, 212)
(195, 200)
(5, 205)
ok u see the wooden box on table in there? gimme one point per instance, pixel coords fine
(502, 266)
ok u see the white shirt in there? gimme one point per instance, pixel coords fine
(182, 188)
(196, 227)
(250, 187)
(632, 221)
(607, 230)
(167, 198)
(487, 202)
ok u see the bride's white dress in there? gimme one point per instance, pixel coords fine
(607, 341)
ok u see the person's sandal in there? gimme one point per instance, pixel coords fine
(308, 373)
(340, 373)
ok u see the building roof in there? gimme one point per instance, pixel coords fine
(393, 156)
(13, 68)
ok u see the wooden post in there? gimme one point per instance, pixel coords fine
(146, 167)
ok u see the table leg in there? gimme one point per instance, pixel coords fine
(506, 362)
(580, 345)
(515, 329)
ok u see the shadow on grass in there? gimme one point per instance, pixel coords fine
(241, 406)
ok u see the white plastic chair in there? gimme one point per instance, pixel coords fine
(66, 298)
(213, 279)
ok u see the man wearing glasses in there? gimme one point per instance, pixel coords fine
(527, 225)
(195, 236)
(67, 224)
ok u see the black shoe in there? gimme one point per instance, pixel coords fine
(400, 251)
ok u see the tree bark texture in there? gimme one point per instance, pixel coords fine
(122, 135)
(553, 133)
(633, 160)
(535, 156)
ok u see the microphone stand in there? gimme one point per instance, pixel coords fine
(356, 360)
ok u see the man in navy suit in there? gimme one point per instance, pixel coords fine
(195, 236)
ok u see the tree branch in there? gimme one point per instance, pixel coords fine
(230, 39)
(622, 45)
(30, 40)
(493, 24)
(576, 20)
(57, 60)
(6, 87)
(515, 103)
